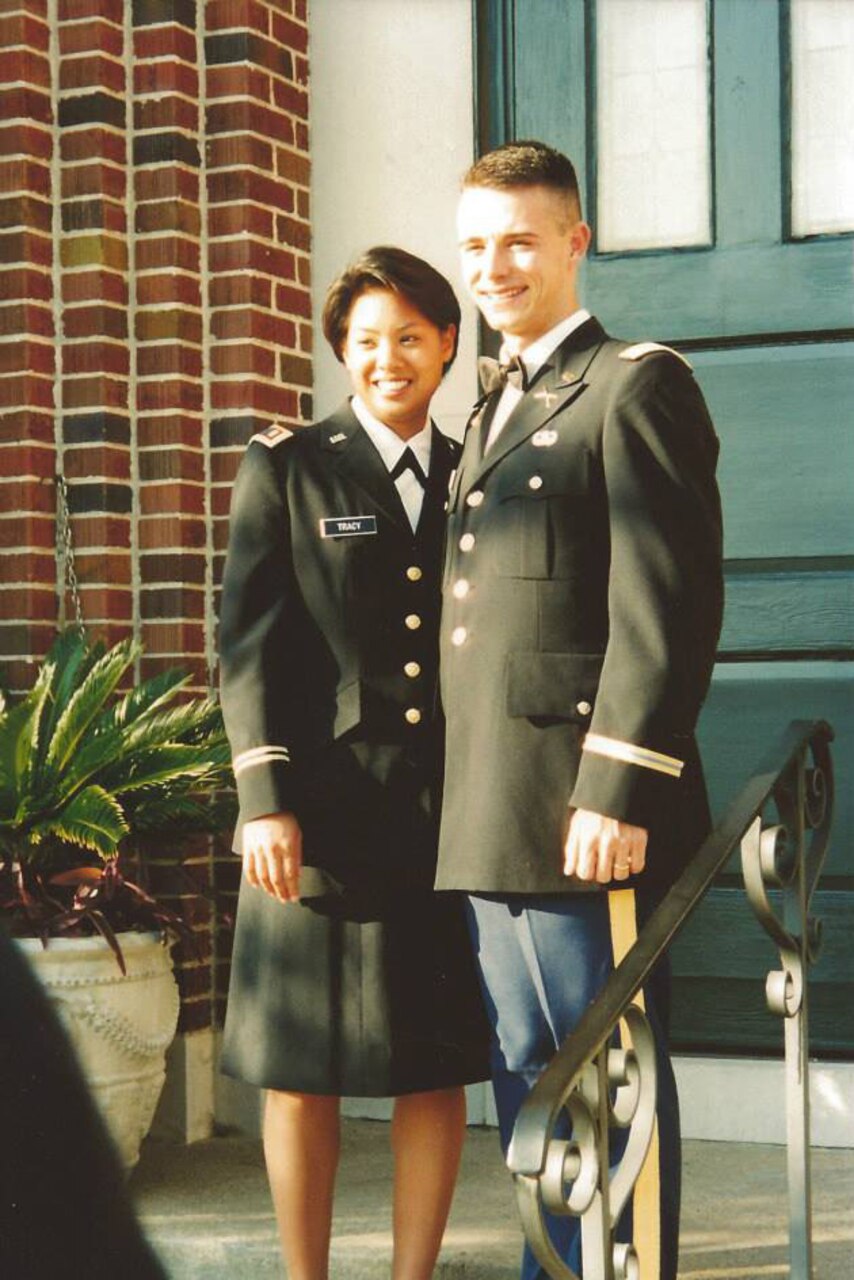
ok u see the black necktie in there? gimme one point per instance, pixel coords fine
(494, 376)
(408, 462)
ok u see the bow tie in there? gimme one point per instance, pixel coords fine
(408, 462)
(494, 376)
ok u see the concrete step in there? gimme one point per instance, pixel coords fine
(207, 1210)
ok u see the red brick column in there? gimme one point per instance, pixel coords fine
(168, 302)
(27, 349)
(92, 264)
(154, 313)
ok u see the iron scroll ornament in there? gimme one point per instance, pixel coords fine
(552, 1175)
(616, 1090)
(785, 859)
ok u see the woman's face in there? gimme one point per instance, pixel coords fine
(395, 357)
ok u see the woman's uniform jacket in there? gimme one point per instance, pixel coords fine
(582, 605)
(329, 653)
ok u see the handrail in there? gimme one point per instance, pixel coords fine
(572, 1177)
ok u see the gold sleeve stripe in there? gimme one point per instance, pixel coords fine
(644, 757)
(260, 755)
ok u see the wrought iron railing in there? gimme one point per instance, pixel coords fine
(596, 1087)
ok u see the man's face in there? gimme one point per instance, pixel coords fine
(520, 250)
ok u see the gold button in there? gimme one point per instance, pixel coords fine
(413, 573)
(413, 715)
(412, 669)
(461, 588)
(413, 621)
(475, 498)
(467, 542)
(458, 635)
(583, 708)
(535, 482)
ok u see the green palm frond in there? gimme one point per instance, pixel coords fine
(144, 700)
(174, 763)
(185, 722)
(71, 657)
(14, 726)
(92, 819)
(88, 699)
(155, 812)
(33, 738)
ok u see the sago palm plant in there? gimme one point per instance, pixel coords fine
(85, 768)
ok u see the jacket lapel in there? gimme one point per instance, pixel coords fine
(470, 456)
(441, 465)
(354, 456)
(557, 384)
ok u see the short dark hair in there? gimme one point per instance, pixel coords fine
(386, 267)
(527, 163)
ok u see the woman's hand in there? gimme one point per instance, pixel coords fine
(272, 855)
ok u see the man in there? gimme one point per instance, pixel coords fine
(582, 605)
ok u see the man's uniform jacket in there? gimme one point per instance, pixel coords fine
(329, 653)
(582, 606)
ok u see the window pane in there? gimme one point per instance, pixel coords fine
(652, 98)
(822, 40)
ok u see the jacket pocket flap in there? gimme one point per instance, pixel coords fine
(553, 684)
(348, 707)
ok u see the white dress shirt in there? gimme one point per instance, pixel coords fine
(533, 357)
(390, 447)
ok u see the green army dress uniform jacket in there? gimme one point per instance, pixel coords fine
(582, 606)
(329, 654)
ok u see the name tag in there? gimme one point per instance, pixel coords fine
(347, 526)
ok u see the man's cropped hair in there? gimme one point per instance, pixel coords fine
(386, 267)
(527, 163)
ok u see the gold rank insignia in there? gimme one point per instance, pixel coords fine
(544, 439)
(271, 436)
(641, 349)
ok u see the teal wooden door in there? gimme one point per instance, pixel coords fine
(766, 320)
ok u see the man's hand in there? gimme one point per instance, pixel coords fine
(272, 855)
(603, 849)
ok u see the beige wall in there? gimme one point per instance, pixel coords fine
(391, 132)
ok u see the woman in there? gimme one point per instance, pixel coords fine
(350, 976)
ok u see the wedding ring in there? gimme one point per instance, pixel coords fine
(622, 866)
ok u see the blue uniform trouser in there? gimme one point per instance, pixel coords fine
(542, 959)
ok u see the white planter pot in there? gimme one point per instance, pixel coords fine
(121, 1026)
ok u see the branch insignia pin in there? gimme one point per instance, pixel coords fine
(546, 396)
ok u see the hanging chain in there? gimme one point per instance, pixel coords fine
(65, 550)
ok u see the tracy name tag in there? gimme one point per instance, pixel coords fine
(347, 526)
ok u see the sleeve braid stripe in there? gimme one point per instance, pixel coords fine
(260, 755)
(628, 753)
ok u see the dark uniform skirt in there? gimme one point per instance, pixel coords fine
(324, 1003)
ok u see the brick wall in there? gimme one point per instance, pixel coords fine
(154, 313)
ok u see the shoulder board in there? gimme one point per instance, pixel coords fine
(641, 349)
(271, 436)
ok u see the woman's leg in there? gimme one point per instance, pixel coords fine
(427, 1140)
(302, 1141)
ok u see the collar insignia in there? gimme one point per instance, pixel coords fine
(272, 435)
(546, 396)
(336, 439)
(544, 439)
